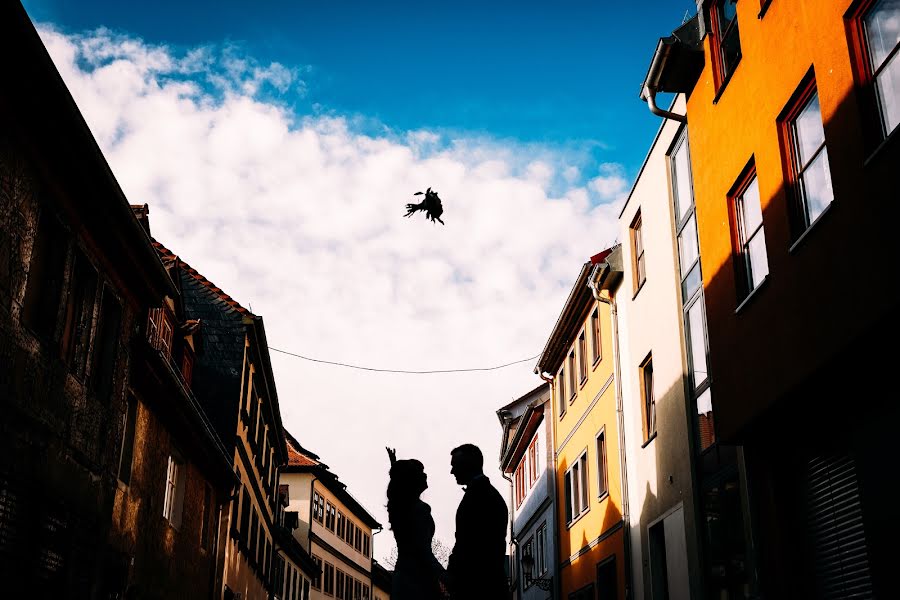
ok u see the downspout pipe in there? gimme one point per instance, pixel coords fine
(513, 540)
(620, 414)
(557, 579)
(651, 82)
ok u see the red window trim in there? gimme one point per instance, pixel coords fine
(748, 173)
(789, 151)
(720, 79)
(861, 66)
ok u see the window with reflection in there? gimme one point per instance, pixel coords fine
(808, 156)
(692, 298)
(881, 26)
(751, 236)
(729, 41)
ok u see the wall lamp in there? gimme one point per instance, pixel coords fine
(527, 566)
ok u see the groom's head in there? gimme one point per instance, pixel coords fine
(466, 463)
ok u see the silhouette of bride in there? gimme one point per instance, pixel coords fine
(417, 575)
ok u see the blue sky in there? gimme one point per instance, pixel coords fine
(557, 73)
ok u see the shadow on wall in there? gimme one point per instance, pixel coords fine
(788, 362)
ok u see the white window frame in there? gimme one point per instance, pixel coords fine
(173, 500)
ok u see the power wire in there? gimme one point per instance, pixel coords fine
(409, 372)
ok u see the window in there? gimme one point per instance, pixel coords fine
(533, 462)
(205, 524)
(366, 541)
(637, 246)
(561, 379)
(602, 485)
(357, 542)
(648, 404)
(582, 357)
(725, 26)
(595, 335)
(79, 314)
(808, 157)
(127, 454)
(45, 277)
(577, 489)
(754, 261)
(340, 581)
(351, 527)
(317, 580)
(881, 29)
(540, 552)
(174, 495)
(607, 586)
(106, 346)
(520, 483)
(328, 576)
(159, 331)
(692, 291)
(686, 223)
(357, 589)
(585, 593)
(245, 517)
(572, 388)
(187, 366)
(318, 507)
(341, 525)
(329, 516)
(366, 591)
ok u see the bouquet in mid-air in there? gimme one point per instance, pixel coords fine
(431, 205)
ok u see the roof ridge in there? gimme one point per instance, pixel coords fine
(166, 254)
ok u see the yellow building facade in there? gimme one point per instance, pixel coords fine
(579, 360)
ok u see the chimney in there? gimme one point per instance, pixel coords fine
(142, 214)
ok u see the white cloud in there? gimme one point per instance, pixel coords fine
(301, 217)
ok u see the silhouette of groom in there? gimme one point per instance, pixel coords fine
(477, 564)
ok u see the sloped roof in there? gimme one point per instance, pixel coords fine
(168, 256)
(297, 458)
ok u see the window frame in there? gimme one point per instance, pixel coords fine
(648, 400)
(602, 469)
(741, 240)
(866, 68)
(788, 133)
(572, 384)
(173, 498)
(129, 431)
(721, 73)
(639, 263)
(596, 337)
(577, 472)
(540, 549)
(582, 357)
(561, 390)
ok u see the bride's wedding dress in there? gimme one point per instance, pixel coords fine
(417, 573)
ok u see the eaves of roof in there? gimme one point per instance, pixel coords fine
(527, 427)
(56, 130)
(566, 324)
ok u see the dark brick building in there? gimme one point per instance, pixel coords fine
(110, 474)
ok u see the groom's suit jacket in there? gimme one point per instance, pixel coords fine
(477, 564)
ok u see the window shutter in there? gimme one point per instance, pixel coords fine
(835, 522)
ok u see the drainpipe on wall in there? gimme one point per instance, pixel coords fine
(557, 576)
(620, 414)
(513, 541)
(309, 533)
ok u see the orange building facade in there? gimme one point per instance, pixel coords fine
(792, 113)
